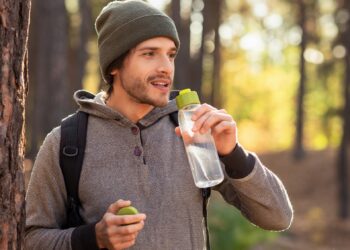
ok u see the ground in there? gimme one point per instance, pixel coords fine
(312, 186)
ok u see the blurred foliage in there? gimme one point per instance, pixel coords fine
(229, 230)
(260, 73)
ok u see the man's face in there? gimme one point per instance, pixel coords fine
(148, 70)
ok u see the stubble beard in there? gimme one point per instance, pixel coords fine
(138, 91)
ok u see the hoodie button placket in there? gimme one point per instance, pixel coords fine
(134, 130)
(137, 151)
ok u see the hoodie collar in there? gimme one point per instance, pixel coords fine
(95, 105)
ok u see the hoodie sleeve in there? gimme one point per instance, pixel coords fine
(255, 190)
(46, 204)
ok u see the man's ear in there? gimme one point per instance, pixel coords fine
(114, 72)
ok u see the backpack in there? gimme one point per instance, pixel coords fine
(72, 147)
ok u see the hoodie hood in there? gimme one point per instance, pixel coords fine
(95, 105)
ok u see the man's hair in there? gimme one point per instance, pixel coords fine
(116, 64)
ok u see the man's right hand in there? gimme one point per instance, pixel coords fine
(117, 232)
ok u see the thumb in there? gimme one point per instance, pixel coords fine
(178, 131)
(114, 207)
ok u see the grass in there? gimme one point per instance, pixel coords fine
(229, 230)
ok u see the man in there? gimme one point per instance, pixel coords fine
(134, 154)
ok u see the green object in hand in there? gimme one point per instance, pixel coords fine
(127, 211)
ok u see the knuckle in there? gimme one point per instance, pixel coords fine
(109, 231)
(206, 125)
(206, 105)
(123, 220)
(108, 220)
(119, 201)
(128, 230)
(125, 230)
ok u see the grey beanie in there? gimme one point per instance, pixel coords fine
(122, 25)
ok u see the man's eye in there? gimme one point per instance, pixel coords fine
(148, 54)
(172, 55)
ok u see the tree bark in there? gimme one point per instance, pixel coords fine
(14, 22)
(299, 151)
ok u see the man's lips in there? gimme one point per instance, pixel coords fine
(161, 83)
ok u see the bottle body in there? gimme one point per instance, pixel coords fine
(201, 151)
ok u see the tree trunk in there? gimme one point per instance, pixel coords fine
(182, 62)
(343, 163)
(14, 24)
(49, 94)
(78, 53)
(298, 146)
(78, 49)
(343, 156)
(197, 61)
(216, 79)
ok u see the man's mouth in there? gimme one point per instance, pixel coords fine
(160, 84)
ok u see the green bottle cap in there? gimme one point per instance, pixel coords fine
(187, 97)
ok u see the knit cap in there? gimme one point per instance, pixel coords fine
(122, 25)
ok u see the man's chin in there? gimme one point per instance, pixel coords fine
(160, 104)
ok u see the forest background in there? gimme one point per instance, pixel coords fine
(280, 68)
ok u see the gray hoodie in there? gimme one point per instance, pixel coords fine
(147, 164)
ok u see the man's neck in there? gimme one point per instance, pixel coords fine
(130, 109)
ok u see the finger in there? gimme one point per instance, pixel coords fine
(128, 237)
(114, 233)
(209, 119)
(225, 126)
(114, 208)
(129, 219)
(124, 245)
(130, 229)
(187, 138)
(178, 131)
(213, 119)
(200, 121)
(112, 220)
(117, 239)
(204, 108)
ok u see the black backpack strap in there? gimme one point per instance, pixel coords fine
(174, 115)
(72, 147)
(205, 191)
(206, 194)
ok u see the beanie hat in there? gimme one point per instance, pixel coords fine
(122, 25)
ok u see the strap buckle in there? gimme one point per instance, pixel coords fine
(70, 151)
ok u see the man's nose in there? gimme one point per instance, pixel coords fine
(166, 65)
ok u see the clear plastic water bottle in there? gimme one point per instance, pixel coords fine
(201, 151)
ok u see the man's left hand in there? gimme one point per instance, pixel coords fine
(223, 127)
